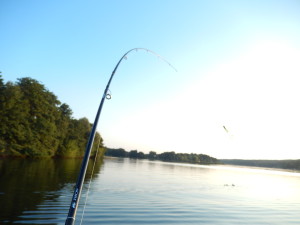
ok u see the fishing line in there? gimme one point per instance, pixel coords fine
(89, 185)
(154, 53)
(80, 180)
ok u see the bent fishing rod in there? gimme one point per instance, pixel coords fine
(80, 180)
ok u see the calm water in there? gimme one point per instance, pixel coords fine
(125, 191)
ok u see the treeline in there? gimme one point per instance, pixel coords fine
(281, 164)
(166, 156)
(34, 123)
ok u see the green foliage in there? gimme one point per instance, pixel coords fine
(116, 152)
(35, 124)
(187, 158)
(152, 155)
(165, 156)
(133, 154)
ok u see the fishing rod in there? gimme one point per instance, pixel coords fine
(78, 187)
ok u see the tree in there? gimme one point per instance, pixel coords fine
(133, 154)
(35, 124)
(41, 106)
(14, 129)
(120, 152)
(167, 156)
(141, 155)
(152, 155)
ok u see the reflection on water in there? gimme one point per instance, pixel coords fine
(128, 191)
(145, 192)
(29, 186)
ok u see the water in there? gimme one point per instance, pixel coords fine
(125, 191)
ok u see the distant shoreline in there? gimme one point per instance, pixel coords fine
(192, 158)
(289, 164)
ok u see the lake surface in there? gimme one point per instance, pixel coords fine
(127, 191)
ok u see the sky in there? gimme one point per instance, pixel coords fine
(237, 67)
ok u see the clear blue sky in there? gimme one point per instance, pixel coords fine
(237, 62)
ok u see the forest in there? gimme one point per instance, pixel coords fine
(34, 123)
(165, 156)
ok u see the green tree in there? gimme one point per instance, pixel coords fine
(35, 124)
(141, 155)
(133, 154)
(63, 123)
(167, 156)
(152, 155)
(42, 113)
(120, 152)
(14, 131)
